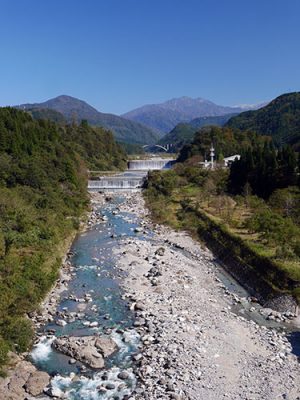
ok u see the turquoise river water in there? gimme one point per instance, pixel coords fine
(95, 275)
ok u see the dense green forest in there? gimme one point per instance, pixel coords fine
(279, 119)
(46, 113)
(179, 136)
(251, 210)
(219, 120)
(96, 146)
(131, 148)
(264, 169)
(43, 171)
(183, 133)
(226, 141)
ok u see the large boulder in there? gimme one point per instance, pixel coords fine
(90, 350)
(106, 346)
(22, 379)
(36, 383)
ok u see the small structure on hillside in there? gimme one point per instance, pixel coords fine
(209, 164)
(205, 164)
(212, 156)
(229, 160)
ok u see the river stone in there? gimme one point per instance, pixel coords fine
(160, 251)
(53, 392)
(12, 387)
(61, 322)
(101, 389)
(89, 350)
(175, 396)
(123, 375)
(106, 346)
(36, 383)
(110, 386)
(139, 306)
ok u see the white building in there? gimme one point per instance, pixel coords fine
(229, 160)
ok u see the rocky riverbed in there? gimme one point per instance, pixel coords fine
(193, 344)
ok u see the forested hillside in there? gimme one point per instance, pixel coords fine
(179, 136)
(43, 170)
(250, 212)
(264, 169)
(218, 120)
(183, 133)
(279, 119)
(47, 113)
(226, 141)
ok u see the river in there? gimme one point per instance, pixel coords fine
(94, 296)
(96, 287)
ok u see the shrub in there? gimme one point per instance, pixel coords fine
(285, 252)
(18, 332)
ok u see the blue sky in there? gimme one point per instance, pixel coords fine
(120, 54)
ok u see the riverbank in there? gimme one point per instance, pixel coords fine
(23, 379)
(194, 345)
(255, 238)
(47, 309)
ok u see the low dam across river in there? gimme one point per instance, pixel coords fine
(126, 181)
(151, 164)
(133, 178)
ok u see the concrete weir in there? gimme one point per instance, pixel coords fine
(133, 178)
(118, 182)
(151, 164)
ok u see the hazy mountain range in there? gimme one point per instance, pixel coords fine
(145, 125)
(280, 119)
(74, 109)
(165, 116)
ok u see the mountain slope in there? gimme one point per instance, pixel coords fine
(279, 119)
(76, 110)
(184, 133)
(179, 136)
(167, 115)
(219, 120)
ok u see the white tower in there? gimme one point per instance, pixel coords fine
(212, 155)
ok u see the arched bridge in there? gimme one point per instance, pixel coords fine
(165, 148)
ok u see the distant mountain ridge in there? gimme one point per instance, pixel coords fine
(279, 119)
(74, 109)
(165, 116)
(218, 120)
(183, 133)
